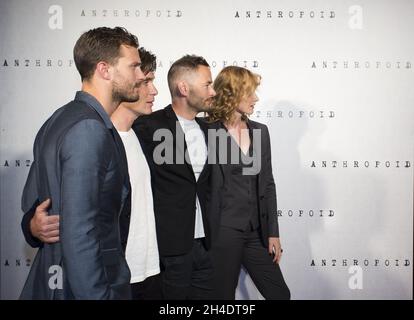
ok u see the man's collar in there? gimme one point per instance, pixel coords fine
(95, 104)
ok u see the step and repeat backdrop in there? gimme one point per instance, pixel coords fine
(337, 95)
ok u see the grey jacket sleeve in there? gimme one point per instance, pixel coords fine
(83, 167)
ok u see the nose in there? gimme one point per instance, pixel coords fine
(212, 92)
(154, 90)
(255, 97)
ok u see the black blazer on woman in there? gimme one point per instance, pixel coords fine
(266, 191)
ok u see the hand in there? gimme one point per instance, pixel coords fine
(43, 226)
(275, 249)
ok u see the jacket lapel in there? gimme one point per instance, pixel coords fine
(123, 162)
(214, 146)
(258, 151)
(204, 127)
(181, 151)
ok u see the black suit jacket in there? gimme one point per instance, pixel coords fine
(80, 163)
(266, 186)
(174, 185)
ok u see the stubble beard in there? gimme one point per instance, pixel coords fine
(123, 94)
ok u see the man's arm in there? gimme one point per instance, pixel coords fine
(37, 226)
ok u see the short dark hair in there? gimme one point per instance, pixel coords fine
(148, 60)
(186, 63)
(100, 44)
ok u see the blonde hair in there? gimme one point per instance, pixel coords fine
(231, 85)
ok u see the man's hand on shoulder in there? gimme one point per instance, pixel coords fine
(43, 226)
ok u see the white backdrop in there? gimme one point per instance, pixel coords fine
(337, 95)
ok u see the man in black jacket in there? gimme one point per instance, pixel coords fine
(175, 144)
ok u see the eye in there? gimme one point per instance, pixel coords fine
(136, 65)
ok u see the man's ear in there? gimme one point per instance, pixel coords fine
(103, 70)
(183, 88)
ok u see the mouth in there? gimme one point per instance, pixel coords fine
(208, 103)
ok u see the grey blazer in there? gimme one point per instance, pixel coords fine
(80, 163)
(266, 186)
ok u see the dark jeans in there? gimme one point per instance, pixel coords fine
(149, 289)
(235, 248)
(187, 276)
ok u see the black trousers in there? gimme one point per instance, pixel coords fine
(149, 289)
(187, 276)
(235, 248)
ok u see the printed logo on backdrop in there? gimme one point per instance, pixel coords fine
(219, 63)
(357, 267)
(306, 213)
(15, 163)
(66, 62)
(131, 13)
(355, 15)
(355, 11)
(16, 262)
(287, 113)
(360, 164)
(284, 14)
(36, 63)
(365, 263)
(358, 65)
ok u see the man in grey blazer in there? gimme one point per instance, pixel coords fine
(80, 164)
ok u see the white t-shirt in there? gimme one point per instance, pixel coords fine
(197, 151)
(142, 248)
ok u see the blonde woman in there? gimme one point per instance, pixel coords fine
(243, 195)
